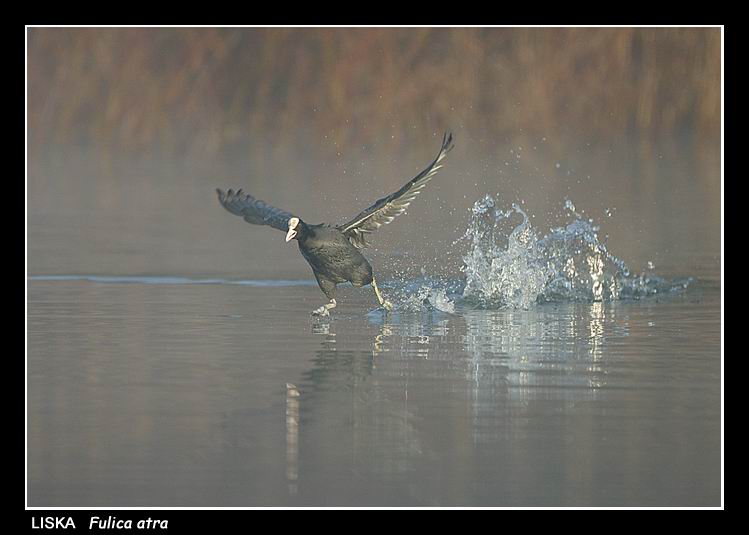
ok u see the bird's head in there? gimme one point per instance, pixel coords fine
(293, 229)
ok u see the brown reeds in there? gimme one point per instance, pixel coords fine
(210, 89)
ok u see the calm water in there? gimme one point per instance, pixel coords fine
(146, 388)
(220, 395)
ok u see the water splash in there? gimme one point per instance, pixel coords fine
(497, 274)
(421, 294)
(570, 263)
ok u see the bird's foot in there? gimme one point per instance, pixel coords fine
(322, 311)
(384, 303)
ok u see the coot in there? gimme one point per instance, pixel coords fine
(333, 251)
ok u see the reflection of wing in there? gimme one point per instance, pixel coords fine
(386, 209)
(254, 211)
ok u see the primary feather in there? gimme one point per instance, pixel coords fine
(388, 208)
(253, 210)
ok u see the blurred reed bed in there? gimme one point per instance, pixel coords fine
(210, 90)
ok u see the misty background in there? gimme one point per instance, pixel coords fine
(130, 130)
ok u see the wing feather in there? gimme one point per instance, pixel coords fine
(388, 208)
(253, 210)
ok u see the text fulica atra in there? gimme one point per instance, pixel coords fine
(333, 251)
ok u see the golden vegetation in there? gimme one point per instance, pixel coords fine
(211, 89)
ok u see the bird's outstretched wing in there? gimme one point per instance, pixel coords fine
(253, 210)
(386, 209)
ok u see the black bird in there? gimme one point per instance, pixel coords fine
(333, 251)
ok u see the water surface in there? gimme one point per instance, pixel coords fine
(232, 395)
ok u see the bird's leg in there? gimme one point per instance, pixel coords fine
(323, 310)
(384, 303)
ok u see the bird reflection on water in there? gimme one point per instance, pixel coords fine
(530, 345)
(498, 366)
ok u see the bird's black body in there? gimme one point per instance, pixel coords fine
(334, 260)
(333, 251)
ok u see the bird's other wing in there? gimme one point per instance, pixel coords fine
(253, 210)
(386, 209)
